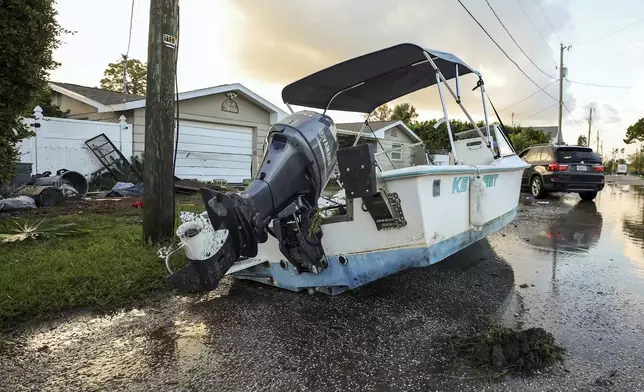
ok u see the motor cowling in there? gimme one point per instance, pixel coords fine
(299, 158)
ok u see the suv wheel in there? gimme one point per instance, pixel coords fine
(588, 195)
(536, 187)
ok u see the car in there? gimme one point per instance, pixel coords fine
(622, 169)
(555, 168)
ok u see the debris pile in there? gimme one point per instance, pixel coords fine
(503, 350)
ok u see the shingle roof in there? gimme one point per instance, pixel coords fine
(105, 97)
(355, 127)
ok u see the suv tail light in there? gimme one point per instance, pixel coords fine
(555, 166)
(599, 168)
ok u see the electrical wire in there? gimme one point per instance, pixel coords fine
(129, 39)
(573, 117)
(176, 104)
(515, 41)
(535, 26)
(548, 20)
(604, 85)
(620, 53)
(541, 111)
(528, 97)
(503, 51)
(610, 34)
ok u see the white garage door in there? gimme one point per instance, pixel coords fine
(214, 151)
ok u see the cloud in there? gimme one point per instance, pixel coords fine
(284, 40)
(611, 109)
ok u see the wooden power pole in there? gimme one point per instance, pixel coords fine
(590, 124)
(561, 76)
(158, 178)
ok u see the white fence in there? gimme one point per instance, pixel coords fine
(60, 143)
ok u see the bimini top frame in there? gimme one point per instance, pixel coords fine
(366, 82)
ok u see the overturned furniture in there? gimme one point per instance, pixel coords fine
(277, 232)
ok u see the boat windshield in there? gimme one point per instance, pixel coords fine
(501, 142)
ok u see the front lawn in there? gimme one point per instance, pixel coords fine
(103, 269)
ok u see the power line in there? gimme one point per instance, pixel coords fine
(610, 34)
(129, 39)
(535, 26)
(503, 51)
(541, 111)
(620, 53)
(515, 41)
(604, 85)
(573, 117)
(528, 97)
(547, 20)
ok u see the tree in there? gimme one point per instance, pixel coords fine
(523, 138)
(635, 132)
(137, 73)
(582, 141)
(48, 108)
(404, 112)
(381, 113)
(28, 38)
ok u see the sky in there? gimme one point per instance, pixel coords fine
(266, 45)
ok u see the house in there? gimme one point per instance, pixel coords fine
(394, 137)
(221, 128)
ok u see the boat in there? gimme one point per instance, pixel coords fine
(280, 231)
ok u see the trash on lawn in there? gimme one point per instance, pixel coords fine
(137, 204)
(63, 177)
(124, 189)
(17, 203)
(543, 202)
(45, 196)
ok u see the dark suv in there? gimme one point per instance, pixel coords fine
(562, 169)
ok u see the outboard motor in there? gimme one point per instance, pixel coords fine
(298, 161)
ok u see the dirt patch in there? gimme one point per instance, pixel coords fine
(503, 350)
(71, 207)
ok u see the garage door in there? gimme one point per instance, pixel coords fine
(214, 151)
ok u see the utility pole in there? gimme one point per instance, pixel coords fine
(124, 78)
(597, 140)
(590, 123)
(512, 118)
(562, 75)
(158, 178)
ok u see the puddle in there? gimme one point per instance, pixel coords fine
(583, 264)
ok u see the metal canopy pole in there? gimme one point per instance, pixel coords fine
(449, 128)
(441, 77)
(487, 123)
(340, 92)
(364, 125)
(458, 90)
(289, 107)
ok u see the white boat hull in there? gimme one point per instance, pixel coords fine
(436, 206)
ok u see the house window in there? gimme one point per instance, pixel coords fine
(396, 152)
(393, 133)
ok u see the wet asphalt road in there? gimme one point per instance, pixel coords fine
(583, 264)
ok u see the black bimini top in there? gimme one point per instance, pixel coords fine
(385, 75)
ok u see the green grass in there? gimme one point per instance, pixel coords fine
(104, 269)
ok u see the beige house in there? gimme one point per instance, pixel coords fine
(221, 129)
(392, 137)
